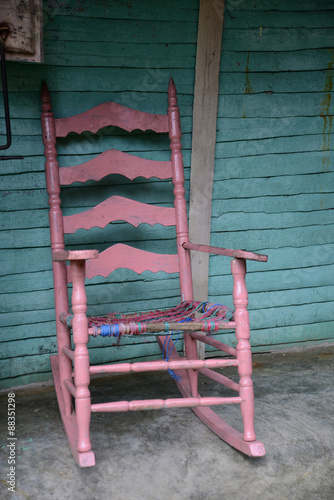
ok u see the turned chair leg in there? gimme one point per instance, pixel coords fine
(81, 355)
(241, 317)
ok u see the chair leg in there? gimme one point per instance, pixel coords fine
(63, 333)
(81, 355)
(83, 459)
(244, 356)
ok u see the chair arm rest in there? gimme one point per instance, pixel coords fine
(62, 255)
(239, 254)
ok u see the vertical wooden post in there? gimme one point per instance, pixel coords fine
(182, 234)
(81, 355)
(57, 243)
(209, 39)
(244, 356)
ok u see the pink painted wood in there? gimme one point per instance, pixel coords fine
(214, 343)
(63, 255)
(111, 113)
(211, 419)
(152, 366)
(119, 208)
(159, 404)
(81, 355)
(241, 317)
(83, 459)
(123, 256)
(221, 379)
(182, 231)
(115, 162)
(89, 263)
(57, 243)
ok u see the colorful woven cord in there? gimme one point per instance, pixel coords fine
(116, 324)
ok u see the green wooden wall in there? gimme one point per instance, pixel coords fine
(272, 189)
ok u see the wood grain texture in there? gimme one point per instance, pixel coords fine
(239, 254)
(210, 27)
(63, 255)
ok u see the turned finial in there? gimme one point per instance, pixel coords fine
(46, 99)
(172, 97)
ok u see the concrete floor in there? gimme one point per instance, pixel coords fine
(171, 455)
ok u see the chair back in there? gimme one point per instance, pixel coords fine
(116, 208)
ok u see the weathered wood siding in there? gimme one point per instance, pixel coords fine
(272, 189)
(94, 52)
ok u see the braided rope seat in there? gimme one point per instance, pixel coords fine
(186, 316)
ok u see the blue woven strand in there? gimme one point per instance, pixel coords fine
(168, 349)
(170, 371)
(213, 305)
(163, 348)
(105, 331)
(185, 320)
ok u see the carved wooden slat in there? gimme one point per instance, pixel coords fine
(115, 162)
(110, 113)
(123, 256)
(119, 208)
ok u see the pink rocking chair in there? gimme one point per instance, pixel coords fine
(71, 368)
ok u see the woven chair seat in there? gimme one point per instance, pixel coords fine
(186, 316)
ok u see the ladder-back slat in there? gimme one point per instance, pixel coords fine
(119, 208)
(111, 113)
(123, 256)
(115, 162)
